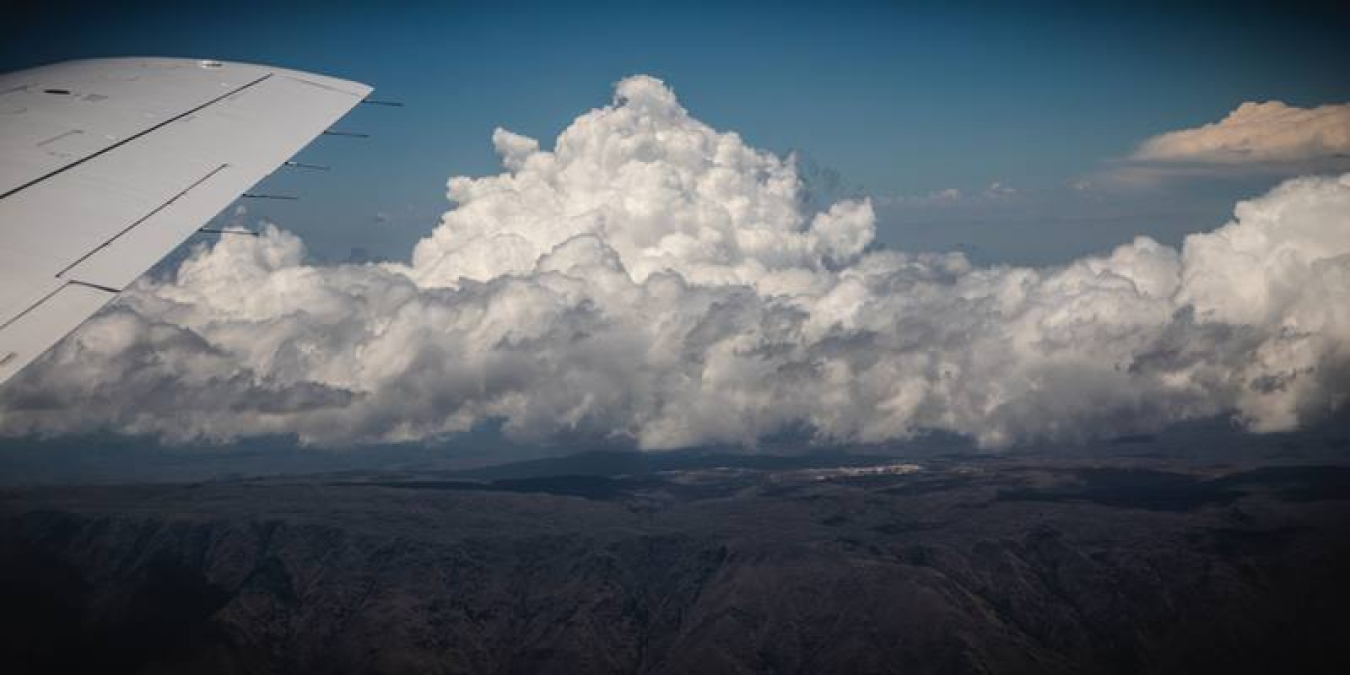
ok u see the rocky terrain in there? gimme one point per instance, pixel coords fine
(945, 565)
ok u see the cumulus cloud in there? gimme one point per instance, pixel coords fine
(652, 280)
(1268, 132)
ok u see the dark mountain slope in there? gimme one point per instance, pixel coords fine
(964, 569)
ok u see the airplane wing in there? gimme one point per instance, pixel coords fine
(107, 165)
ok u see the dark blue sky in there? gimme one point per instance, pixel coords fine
(900, 99)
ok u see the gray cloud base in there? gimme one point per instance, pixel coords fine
(652, 280)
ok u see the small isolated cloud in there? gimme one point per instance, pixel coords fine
(944, 197)
(652, 279)
(997, 190)
(1269, 132)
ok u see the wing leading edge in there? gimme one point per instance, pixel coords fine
(108, 165)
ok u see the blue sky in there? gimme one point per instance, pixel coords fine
(899, 100)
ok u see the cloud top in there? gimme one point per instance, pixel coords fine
(1267, 132)
(655, 281)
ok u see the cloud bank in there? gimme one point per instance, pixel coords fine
(654, 281)
(1269, 132)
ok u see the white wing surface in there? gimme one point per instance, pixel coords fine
(107, 165)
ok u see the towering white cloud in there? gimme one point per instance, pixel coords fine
(1258, 133)
(654, 280)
